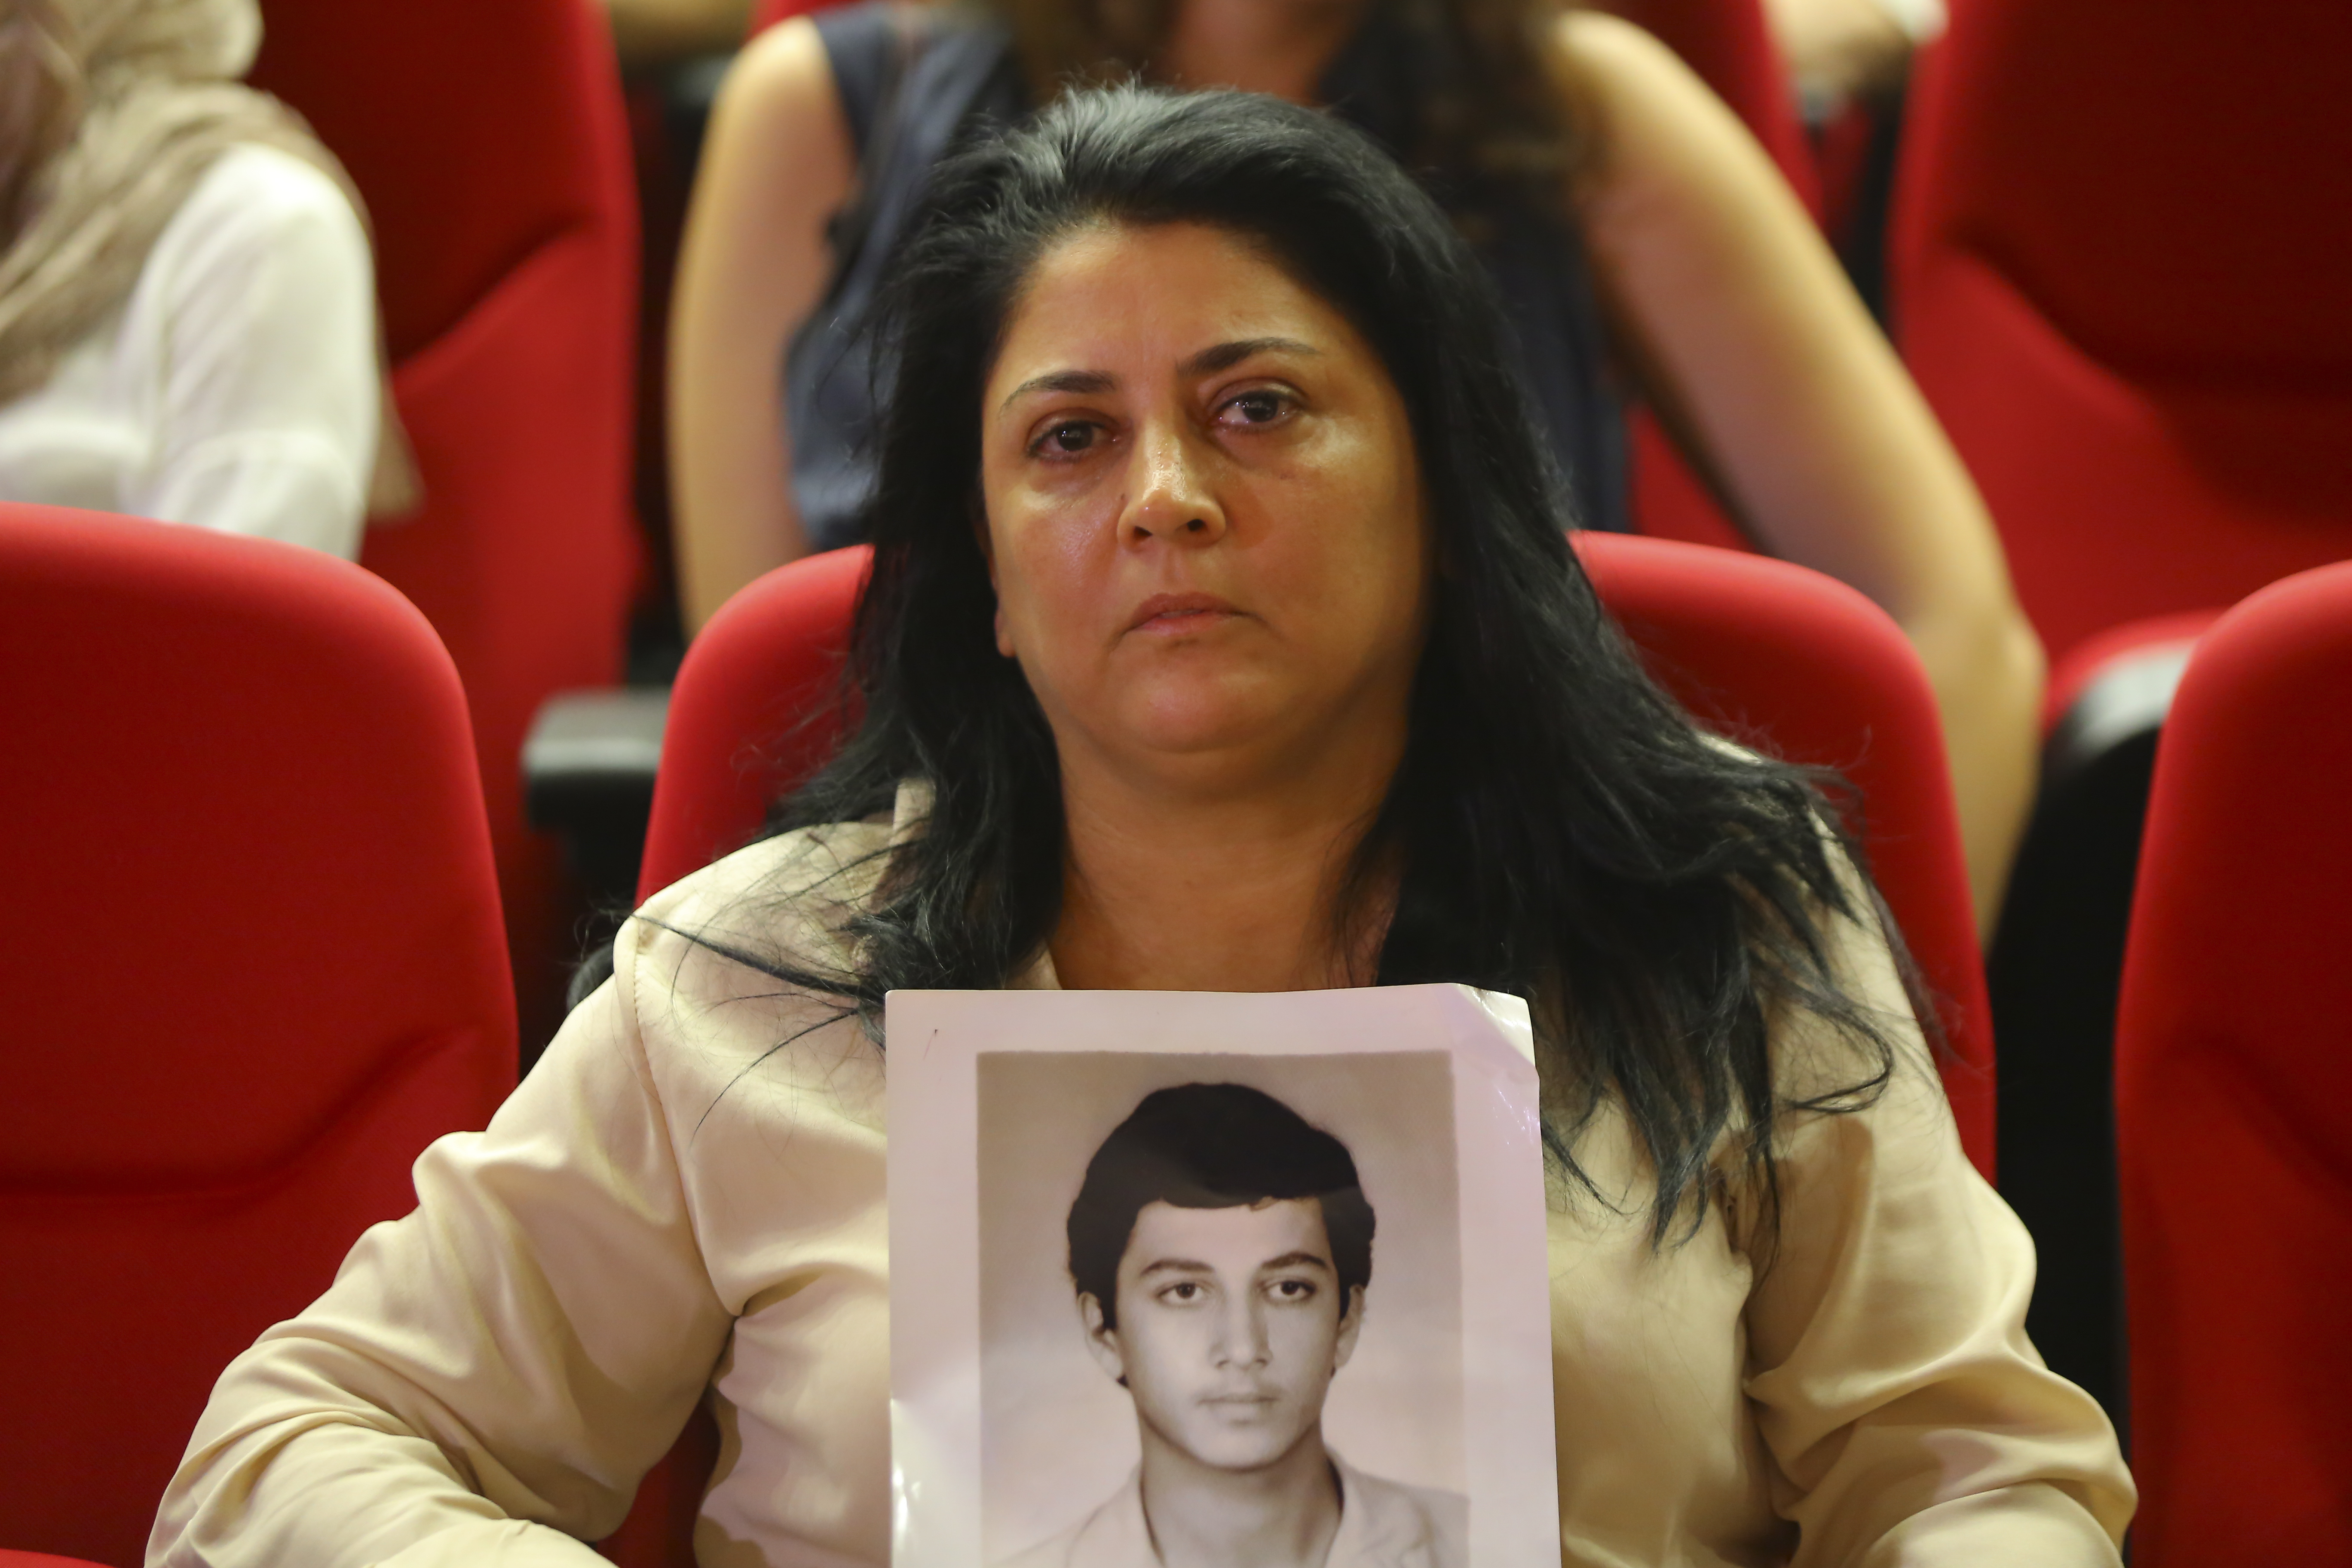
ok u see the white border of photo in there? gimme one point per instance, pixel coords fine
(936, 1038)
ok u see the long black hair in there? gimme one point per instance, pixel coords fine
(1560, 829)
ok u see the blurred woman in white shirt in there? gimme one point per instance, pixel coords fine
(187, 305)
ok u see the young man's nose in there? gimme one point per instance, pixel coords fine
(1171, 500)
(1240, 1332)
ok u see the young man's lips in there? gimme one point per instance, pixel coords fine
(1179, 611)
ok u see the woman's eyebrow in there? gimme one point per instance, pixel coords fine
(1084, 382)
(1224, 357)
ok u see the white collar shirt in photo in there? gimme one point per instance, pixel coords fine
(1383, 1524)
(683, 1202)
(237, 387)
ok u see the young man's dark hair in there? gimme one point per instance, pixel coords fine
(1213, 1146)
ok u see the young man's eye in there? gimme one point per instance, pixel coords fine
(1290, 1291)
(1183, 1291)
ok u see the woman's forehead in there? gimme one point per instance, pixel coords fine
(1127, 300)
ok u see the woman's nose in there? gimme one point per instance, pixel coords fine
(1172, 500)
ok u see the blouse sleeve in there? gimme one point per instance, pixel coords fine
(1912, 1420)
(488, 1378)
(269, 384)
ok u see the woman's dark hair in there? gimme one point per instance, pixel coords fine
(1558, 827)
(1213, 1146)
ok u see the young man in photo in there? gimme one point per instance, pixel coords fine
(1221, 1248)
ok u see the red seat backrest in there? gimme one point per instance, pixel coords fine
(253, 965)
(2233, 1095)
(2116, 269)
(489, 139)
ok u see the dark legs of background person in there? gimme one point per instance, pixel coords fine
(2055, 970)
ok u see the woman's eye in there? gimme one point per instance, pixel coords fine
(1067, 439)
(1256, 408)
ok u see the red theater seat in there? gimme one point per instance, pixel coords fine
(252, 963)
(2233, 1095)
(1766, 651)
(2117, 275)
(490, 140)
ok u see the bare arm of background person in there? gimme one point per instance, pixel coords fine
(1784, 394)
(776, 164)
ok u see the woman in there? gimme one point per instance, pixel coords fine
(1223, 635)
(187, 307)
(1642, 239)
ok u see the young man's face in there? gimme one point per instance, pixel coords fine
(1230, 1326)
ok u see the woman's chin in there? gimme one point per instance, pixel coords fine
(1191, 736)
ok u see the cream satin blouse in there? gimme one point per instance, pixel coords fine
(674, 1205)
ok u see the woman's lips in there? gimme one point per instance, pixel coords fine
(1179, 612)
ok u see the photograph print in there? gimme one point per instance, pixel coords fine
(1231, 1312)
(1182, 1279)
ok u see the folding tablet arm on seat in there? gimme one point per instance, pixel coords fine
(588, 768)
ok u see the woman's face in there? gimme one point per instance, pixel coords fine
(1204, 516)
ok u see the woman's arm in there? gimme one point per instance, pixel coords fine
(1784, 394)
(776, 165)
(488, 1377)
(267, 395)
(1911, 1419)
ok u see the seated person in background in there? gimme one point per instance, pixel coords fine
(1221, 1247)
(1837, 51)
(187, 306)
(1224, 635)
(1641, 239)
(649, 33)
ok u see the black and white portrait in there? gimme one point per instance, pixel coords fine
(1224, 1326)
(1185, 1279)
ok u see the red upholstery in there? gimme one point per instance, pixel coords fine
(488, 138)
(751, 712)
(2233, 1095)
(252, 960)
(2117, 274)
(41, 1560)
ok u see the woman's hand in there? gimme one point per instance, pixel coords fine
(1757, 355)
(777, 163)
